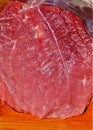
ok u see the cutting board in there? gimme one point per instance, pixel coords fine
(12, 120)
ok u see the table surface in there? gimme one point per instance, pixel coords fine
(11, 120)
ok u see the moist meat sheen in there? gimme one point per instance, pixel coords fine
(45, 61)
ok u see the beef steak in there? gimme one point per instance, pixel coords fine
(45, 61)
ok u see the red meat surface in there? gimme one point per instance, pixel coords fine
(45, 61)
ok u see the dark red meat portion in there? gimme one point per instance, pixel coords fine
(45, 61)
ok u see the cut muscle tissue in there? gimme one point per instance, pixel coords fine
(45, 61)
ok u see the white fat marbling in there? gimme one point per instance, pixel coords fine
(84, 81)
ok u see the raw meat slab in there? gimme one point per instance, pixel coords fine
(45, 61)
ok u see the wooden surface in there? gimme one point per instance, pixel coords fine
(11, 120)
